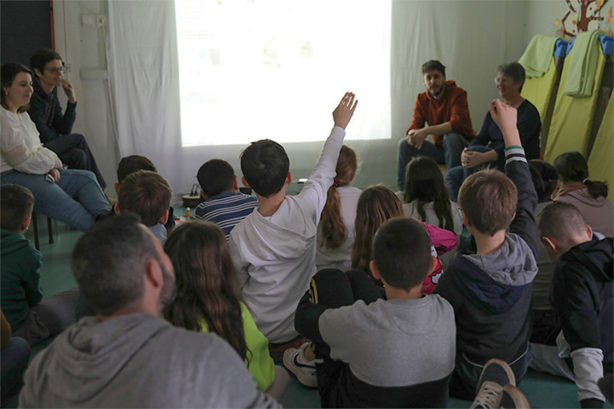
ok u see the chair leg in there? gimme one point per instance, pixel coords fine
(35, 230)
(50, 230)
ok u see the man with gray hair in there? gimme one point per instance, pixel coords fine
(126, 355)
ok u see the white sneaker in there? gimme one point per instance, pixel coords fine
(304, 370)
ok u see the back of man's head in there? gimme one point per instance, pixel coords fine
(402, 252)
(133, 163)
(488, 199)
(433, 65)
(563, 223)
(265, 166)
(145, 193)
(16, 204)
(215, 176)
(109, 261)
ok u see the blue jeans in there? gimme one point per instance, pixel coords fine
(14, 358)
(449, 153)
(456, 176)
(76, 199)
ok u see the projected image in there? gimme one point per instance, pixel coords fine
(254, 69)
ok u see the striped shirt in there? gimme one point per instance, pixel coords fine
(226, 210)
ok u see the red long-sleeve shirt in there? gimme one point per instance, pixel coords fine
(451, 107)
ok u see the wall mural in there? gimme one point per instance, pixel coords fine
(585, 15)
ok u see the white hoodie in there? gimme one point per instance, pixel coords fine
(275, 255)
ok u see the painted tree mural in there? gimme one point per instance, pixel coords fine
(580, 16)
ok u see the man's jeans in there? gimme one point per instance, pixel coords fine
(453, 144)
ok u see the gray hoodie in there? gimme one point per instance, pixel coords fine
(138, 360)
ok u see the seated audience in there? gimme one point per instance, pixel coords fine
(426, 197)
(364, 342)
(274, 247)
(487, 147)
(378, 204)
(336, 229)
(224, 205)
(581, 295)
(126, 355)
(46, 112)
(444, 107)
(209, 300)
(14, 358)
(147, 194)
(31, 317)
(72, 196)
(133, 163)
(491, 290)
(589, 197)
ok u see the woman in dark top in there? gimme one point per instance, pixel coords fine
(486, 150)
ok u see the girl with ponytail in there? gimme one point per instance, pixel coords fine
(208, 298)
(589, 197)
(336, 228)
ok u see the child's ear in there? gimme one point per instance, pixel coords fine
(25, 223)
(589, 231)
(117, 187)
(289, 178)
(465, 219)
(375, 271)
(203, 195)
(245, 182)
(116, 208)
(235, 184)
(164, 217)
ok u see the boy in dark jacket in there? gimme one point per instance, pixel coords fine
(491, 290)
(581, 295)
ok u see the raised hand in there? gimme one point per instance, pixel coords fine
(69, 91)
(505, 117)
(344, 111)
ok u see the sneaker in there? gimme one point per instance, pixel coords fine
(512, 397)
(304, 370)
(495, 375)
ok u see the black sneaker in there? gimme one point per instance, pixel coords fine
(495, 375)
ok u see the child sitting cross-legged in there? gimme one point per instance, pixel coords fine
(208, 299)
(393, 352)
(491, 290)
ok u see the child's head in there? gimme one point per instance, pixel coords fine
(544, 178)
(333, 227)
(147, 194)
(561, 226)
(216, 176)
(205, 278)
(488, 199)
(402, 253)
(375, 205)
(572, 167)
(265, 166)
(16, 204)
(424, 182)
(130, 164)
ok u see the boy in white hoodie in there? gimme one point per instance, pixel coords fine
(274, 247)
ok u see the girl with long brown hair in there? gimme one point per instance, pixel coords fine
(336, 228)
(208, 298)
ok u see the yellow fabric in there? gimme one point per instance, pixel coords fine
(601, 159)
(536, 58)
(573, 117)
(539, 92)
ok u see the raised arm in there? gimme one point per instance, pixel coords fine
(517, 169)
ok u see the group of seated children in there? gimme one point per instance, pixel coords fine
(339, 279)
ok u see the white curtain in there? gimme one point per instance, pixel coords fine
(470, 37)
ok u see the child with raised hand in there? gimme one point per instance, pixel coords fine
(274, 247)
(590, 197)
(378, 204)
(364, 343)
(426, 196)
(208, 298)
(336, 229)
(581, 295)
(491, 290)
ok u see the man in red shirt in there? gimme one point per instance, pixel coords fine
(444, 108)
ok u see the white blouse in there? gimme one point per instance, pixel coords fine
(20, 146)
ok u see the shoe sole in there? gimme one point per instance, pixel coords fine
(520, 401)
(506, 367)
(294, 367)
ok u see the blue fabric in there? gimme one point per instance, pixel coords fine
(76, 199)
(607, 44)
(570, 46)
(14, 359)
(560, 48)
(226, 210)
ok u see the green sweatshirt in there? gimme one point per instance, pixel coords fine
(20, 269)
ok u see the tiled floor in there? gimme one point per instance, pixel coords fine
(542, 391)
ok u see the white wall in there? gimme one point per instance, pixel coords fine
(471, 37)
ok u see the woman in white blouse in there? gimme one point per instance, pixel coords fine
(72, 196)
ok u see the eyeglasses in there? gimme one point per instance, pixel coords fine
(55, 70)
(502, 80)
